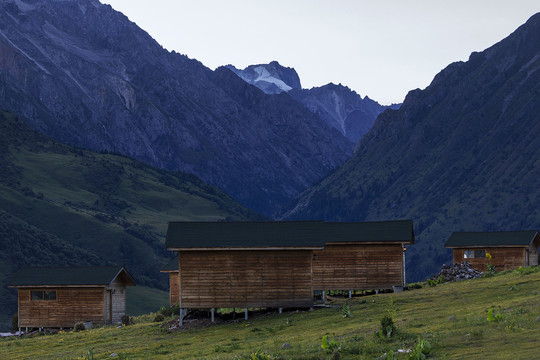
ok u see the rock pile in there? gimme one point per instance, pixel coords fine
(458, 271)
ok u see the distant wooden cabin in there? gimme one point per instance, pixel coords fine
(56, 297)
(174, 280)
(508, 249)
(280, 264)
(362, 255)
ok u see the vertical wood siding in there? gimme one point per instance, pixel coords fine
(357, 267)
(71, 305)
(174, 287)
(118, 289)
(243, 278)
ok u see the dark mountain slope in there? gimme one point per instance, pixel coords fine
(85, 75)
(65, 206)
(341, 108)
(463, 154)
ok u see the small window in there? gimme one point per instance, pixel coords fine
(43, 295)
(37, 295)
(471, 254)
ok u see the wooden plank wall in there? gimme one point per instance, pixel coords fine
(243, 278)
(357, 267)
(174, 287)
(118, 289)
(504, 258)
(71, 305)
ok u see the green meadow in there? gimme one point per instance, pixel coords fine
(452, 317)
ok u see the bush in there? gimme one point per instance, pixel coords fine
(421, 350)
(346, 311)
(15, 323)
(159, 318)
(79, 326)
(387, 326)
(170, 311)
(126, 320)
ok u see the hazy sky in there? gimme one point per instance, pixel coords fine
(379, 48)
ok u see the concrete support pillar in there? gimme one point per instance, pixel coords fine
(324, 296)
(181, 321)
(376, 292)
(212, 314)
(350, 294)
(280, 310)
(246, 314)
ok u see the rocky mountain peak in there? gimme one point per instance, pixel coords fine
(271, 78)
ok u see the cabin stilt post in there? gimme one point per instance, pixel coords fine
(181, 320)
(280, 310)
(350, 294)
(246, 314)
(212, 314)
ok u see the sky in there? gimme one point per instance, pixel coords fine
(382, 49)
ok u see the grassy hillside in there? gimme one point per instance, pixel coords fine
(65, 206)
(423, 313)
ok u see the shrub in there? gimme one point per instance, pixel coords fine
(492, 316)
(346, 311)
(259, 355)
(387, 326)
(170, 311)
(15, 323)
(330, 345)
(421, 350)
(79, 326)
(159, 318)
(126, 320)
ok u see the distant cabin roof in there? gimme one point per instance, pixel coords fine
(171, 265)
(499, 238)
(65, 276)
(283, 234)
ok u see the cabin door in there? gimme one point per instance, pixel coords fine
(108, 306)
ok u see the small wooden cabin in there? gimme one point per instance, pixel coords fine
(508, 249)
(174, 280)
(362, 255)
(57, 297)
(244, 264)
(280, 264)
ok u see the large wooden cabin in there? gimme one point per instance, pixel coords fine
(362, 255)
(174, 280)
(508, 249)
(59, 297)
(244, 264)
(280, 264)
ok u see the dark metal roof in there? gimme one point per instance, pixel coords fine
(62, 276)
(171, 265)
(499, 238)
(283, 234)
(376, 231)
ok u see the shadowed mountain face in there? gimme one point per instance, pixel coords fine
(463, 154)
(342, 108)
(84, 74)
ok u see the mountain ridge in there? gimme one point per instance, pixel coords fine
(458, 155)
(85, 75)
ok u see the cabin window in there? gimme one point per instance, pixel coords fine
(471, 254)
(43, 295)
